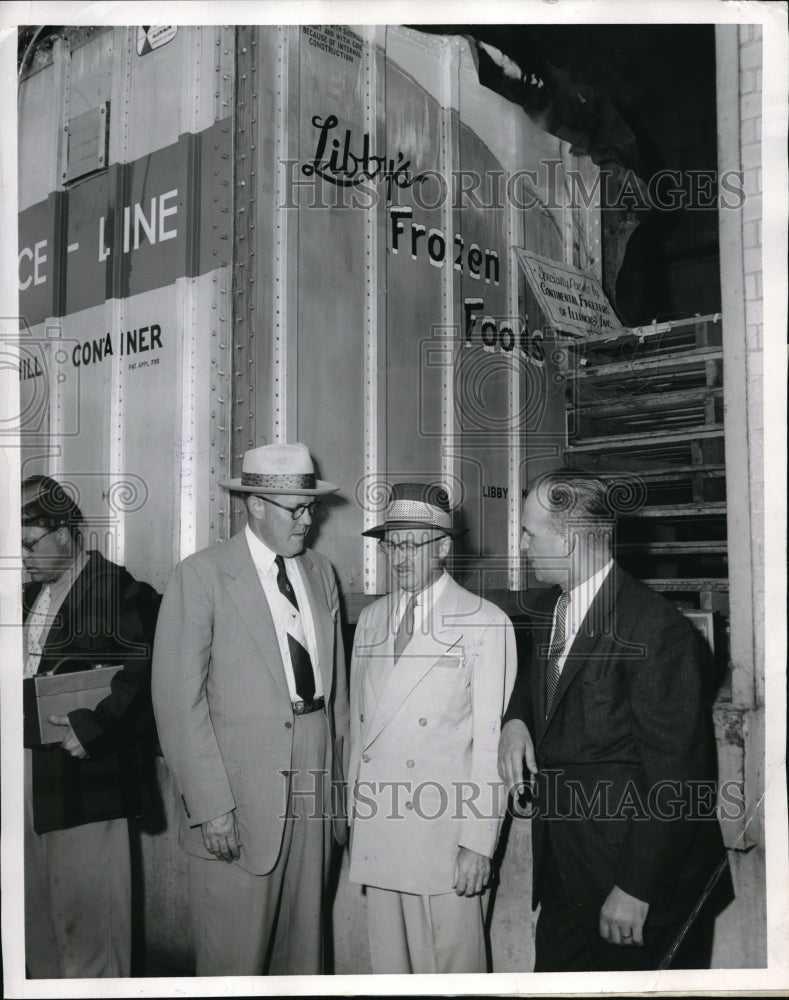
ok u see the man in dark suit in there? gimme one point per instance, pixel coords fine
(250, 695)
(80, 610)
(609, 718)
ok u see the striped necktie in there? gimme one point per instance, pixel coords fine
(300, 659)
(555, 651)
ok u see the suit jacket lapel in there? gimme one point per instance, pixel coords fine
(595, 625)
(59, 638)
(434, 639)
(379, 653)
(29, 595)
(322, 623)
(543, 615)
(246, 592)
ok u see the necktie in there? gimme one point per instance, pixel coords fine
(299, 656)
(405, 629)
(556, 650)
(35, 629)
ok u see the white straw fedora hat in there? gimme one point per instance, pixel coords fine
(417, 505)
(279, 468)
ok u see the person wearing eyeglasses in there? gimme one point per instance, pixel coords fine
(82, 611)
(250, 696)
(432, 669)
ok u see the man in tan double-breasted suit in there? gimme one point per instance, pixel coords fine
(433, 666)
(250, 694)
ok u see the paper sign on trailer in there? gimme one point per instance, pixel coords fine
(572, 300)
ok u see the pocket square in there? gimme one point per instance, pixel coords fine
(453, 661)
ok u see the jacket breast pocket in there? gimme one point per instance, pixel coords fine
(605, 688)
(605, 706)
(451, 661)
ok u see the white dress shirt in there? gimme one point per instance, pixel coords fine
(425, 599)
(263, 558)
(581, 598)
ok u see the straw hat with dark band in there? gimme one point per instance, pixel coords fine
(279, 468)
(416, 506)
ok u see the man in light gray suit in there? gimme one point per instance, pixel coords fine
(250, 695)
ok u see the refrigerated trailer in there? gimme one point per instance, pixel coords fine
(231, 236)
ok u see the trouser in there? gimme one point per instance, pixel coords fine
(564, 944)
(424, 934)
(77, 899)
(247, 925)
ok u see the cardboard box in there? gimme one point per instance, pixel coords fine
(59, 694)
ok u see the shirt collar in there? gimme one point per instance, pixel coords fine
(427, 598)
(262, 556)
(588, 588)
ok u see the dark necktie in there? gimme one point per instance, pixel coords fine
(556, 649)
(299, 656)
(405, 629)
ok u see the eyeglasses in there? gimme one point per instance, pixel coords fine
(298, 510)
(405, 548)
(30, 546)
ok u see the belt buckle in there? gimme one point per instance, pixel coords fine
(308, 707)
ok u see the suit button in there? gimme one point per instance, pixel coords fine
(423, 722)
(409, 805)
(366, 758)
(361, 717)
(288, 725)
(409, 763)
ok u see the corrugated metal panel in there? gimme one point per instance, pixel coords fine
(284, 390)
(343, 312)
(91, 73)
(484, 365)
(339, 271)
(351, 275)
(451, 313)
(37, 147)
(375, 236)
(154, 122)
(245, 368)
(256, 181)
(414, 286)
(114, 401)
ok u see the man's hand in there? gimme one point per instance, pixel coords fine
(220, 837)
(70, 742)
(514, 745)
(622, 918)
(472, 872)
